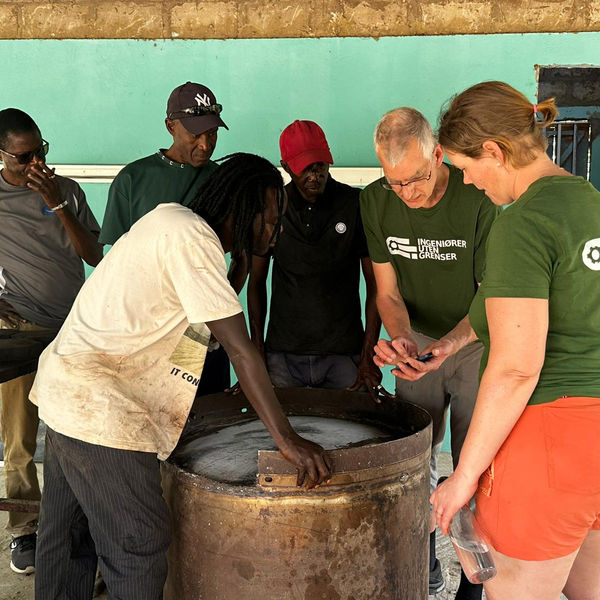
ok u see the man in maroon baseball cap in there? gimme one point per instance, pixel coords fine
(175, 174)
(171, 174)
(196, 107)
(315, 335)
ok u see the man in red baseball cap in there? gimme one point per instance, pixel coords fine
(303, 143)
(315, 335)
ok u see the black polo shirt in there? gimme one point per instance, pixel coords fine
(315, 303)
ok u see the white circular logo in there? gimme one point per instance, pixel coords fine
(591, 254)
(340, 227)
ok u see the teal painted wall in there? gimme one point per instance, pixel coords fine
(103, 101)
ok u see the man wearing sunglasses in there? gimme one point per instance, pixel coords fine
(426, 232)
(175, 174)
(47, 230)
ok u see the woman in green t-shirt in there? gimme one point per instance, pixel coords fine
(532, 454)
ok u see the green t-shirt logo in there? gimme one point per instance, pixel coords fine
(425, 248)
(402, 247)
(591, 254)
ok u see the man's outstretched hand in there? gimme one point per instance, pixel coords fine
(310, 460)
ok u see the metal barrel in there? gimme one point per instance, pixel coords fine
(363, 536)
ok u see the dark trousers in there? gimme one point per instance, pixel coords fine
(333, 371)
(100, 506)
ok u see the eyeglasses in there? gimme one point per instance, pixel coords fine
(27, 157)
(388, 185)
(197, 111)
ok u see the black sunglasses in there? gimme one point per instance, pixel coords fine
(27, 157)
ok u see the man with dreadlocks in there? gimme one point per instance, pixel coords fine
(116, 385)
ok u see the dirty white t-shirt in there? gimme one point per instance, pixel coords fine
(124, 368)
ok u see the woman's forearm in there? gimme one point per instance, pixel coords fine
(518, 330)
(501, 400)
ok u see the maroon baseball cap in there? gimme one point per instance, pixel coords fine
(196, 107)
(303, 143)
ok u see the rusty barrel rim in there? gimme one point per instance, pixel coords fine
(352, 466)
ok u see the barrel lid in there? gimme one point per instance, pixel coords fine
(352, 465)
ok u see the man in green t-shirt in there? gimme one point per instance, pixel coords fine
(174, 175)
(426, 233)
(171, 175)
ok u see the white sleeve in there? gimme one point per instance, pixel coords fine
(198, 272)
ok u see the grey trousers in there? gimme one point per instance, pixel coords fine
(453, 386)
(100, 505)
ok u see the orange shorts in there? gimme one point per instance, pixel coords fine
(541, 495)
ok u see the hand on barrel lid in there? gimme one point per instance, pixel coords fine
(250, 369)
(313, 466)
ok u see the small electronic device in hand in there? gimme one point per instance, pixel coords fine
(425, 357)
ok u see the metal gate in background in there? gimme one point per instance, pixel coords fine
(574, 139)
(570, 145)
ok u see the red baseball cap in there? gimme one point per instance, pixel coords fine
(303, 143)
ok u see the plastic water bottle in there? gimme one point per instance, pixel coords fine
(471, 549)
